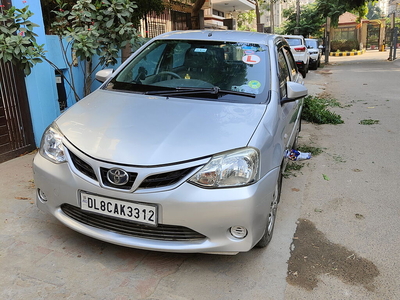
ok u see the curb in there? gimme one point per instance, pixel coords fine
(347, 53)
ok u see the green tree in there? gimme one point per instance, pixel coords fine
(17, 39)
(311, 21)
(143, 8)
(97, 27)
(245, 20)
(374, 11)
(335, 8)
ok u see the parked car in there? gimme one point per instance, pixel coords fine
(181, 149)
(315, 50)
(300, 52)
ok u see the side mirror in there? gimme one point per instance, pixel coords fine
(295, 91)
(103, 75)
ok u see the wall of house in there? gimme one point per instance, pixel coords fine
(40, 84)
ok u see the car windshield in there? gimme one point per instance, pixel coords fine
(293, 41)
(227, 71)
(312, 44)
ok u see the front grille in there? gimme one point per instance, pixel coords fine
(164, 179)
(82, 166)
(161, 232)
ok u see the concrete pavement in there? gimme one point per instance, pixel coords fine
(355, 210)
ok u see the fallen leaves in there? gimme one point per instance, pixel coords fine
(23, 198)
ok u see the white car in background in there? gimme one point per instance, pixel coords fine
(300, 52)
(315, 53)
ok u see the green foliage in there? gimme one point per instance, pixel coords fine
(344, 45)
(335, 8)
(310, 24)
(310, 149)
(291, 168)
(96, 27)
(369, 122)
(396, 22)
(244, 20)
(143, 8)
(17, 39)
(315, 110)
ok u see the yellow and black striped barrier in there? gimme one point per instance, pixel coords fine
(352, 53)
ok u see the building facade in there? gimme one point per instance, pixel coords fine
(394, 7)
(222, 14)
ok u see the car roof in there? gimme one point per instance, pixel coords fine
(220, 35)
(293, 36)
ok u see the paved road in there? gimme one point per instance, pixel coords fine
(356, 210)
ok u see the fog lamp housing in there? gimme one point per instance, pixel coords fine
(41, 195)
(238, 232)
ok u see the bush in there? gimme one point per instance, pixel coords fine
(315, 111)
(344, 45)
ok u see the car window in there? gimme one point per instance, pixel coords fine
(284, 72)
(146, 65)
(230, 66)
(291, 62)
(294, 41)
(312, 44)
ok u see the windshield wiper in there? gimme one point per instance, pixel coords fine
(189, 91)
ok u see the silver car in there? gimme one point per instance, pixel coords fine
(181, 149)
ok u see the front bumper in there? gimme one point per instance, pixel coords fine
(209, 212)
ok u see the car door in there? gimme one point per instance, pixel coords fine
(290, 110)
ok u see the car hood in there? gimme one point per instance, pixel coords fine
(147, 130)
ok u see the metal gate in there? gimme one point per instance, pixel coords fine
(373, 36)
(16, 134)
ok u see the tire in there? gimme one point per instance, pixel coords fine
(303, 73)
(269, 229)
(314, 65)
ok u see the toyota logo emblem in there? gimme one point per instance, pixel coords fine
(117, 176)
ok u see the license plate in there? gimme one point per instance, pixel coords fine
(132, 211)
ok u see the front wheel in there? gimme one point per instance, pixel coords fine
(269, 230)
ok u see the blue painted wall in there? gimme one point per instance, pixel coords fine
(41, 83)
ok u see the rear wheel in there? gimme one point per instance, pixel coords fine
(269, 230)
(314, 65)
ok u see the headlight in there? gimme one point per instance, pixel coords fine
(229, 169)
(51, 146)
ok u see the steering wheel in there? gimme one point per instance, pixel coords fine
(169, 73)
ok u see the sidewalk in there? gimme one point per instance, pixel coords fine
(350, 196)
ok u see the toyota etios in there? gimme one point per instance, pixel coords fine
(181, 149)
